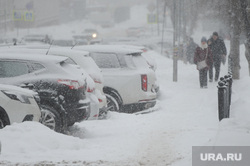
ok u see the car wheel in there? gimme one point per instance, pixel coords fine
(1, 123)
(103, 114)
(3, 120)
(112, 103)
(50, 118)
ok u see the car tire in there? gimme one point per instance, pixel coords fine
(103, 114)
(3, 119)
(112, 103)
(50, 118)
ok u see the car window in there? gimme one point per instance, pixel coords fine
(140, 61)
(129, 61)
(122, 60)
(106, 60)
(37, 66)
(13, 69)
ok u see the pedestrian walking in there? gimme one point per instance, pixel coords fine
(203, 59)
(219, 53)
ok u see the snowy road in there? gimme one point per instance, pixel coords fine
(186, 116)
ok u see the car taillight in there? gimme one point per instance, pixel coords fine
(96, 80)
(90, 89)
(72, 84)
(144, 82)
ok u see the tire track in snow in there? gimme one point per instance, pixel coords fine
(157, 149)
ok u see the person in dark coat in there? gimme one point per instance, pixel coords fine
(203, 52)
(219, 52)
(190, 50)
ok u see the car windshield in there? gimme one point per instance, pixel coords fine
(12, 69)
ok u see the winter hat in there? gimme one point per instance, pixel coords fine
(215, 34)
(203, 39)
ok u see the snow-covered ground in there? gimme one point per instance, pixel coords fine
(186, 116)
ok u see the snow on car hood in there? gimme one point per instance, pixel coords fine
(16, 88)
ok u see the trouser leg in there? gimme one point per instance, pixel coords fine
(217, 70)
(205, 78)
(201, 78)
(211, 71)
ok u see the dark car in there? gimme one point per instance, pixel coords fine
(55, 79)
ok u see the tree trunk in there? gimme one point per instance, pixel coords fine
(247, 54)
(247, 29)
(235, 42)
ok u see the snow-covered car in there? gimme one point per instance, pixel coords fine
(135, 31)
(92, 36)
(94, 76)
(83, 59)
(129, 83)
(18, 105)
(81, 39)
(63, 42)
(62, 92)
(41, 38)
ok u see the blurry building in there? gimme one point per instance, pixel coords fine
(37, 13)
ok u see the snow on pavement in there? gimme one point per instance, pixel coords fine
(187, 116)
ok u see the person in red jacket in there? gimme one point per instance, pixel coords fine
(203, 52)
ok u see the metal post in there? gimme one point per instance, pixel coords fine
(175, 56)
(157, 11)
(229, 80)
(179, 23)
(221, 99)
(163, 27)
(230, 87)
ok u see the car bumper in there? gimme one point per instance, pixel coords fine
(141, 105)
(78, 112)
(25, 112)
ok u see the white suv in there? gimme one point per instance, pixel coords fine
(17, 105)
(129, 82)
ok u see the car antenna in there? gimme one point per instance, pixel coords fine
(74, 45)
(49, 47)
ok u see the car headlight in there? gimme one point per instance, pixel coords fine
(94, 35)
(17, 96)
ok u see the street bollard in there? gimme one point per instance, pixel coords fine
(227, 104)
(230, 87)
(224, 96)
(221, 99)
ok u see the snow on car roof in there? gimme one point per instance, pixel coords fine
(53, 49)
(31, 56)
(65, 51)
(119, 49)
(68, 51)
